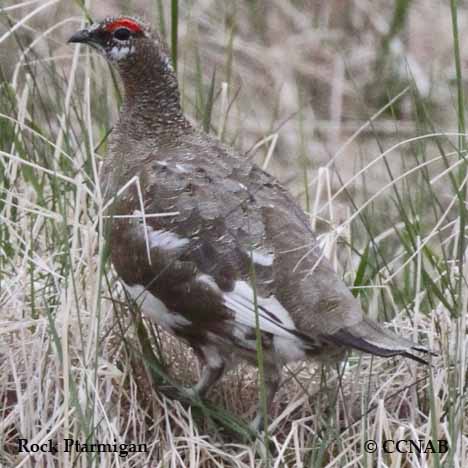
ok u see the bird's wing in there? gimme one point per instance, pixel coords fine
(236, 252)
(210, 260)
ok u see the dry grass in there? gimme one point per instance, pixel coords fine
(337, 97)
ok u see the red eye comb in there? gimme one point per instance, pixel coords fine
(123, 23)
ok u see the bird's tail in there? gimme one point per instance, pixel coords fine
(370, 337)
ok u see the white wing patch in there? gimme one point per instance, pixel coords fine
(155, 309)
(160, 238)
(261, 257)
(181, 169)
(165, 240)
(209, 282)
(273, 317)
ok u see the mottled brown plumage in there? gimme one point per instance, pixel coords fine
(236, 243)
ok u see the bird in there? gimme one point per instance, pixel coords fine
(211, 247)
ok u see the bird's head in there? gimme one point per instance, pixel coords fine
(119, 39)
(144, 64)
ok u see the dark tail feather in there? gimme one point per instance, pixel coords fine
(370, 337)
(345, 338)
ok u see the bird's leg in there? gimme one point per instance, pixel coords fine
(209, 376)
(272, 381)
(212, 369)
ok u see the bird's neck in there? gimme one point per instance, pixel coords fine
(151, 104)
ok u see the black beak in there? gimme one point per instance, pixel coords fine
(80, 36)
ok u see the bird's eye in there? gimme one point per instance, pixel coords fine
(122, 34)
